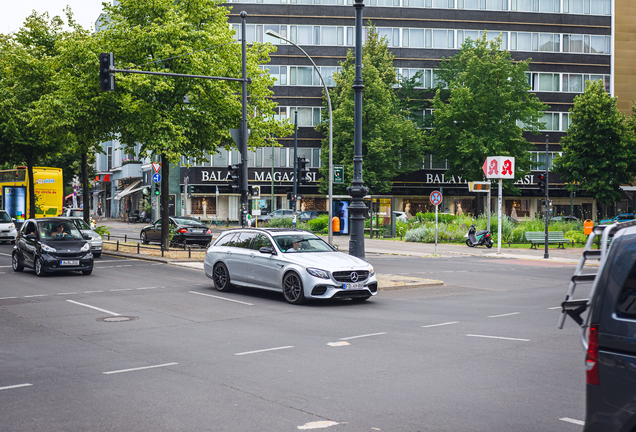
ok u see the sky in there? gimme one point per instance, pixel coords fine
(14, 12)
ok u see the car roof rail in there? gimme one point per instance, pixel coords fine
(574, 308)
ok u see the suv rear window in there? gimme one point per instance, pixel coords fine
(626, 307)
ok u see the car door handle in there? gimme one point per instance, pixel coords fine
(228, 253)
(253, 255)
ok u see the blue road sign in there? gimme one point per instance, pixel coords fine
(436, 198)
(156, 178)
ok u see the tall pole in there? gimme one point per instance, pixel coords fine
(272, 207)
(243, 149)
(357, 189)
(295, 160)
(546, 254)
(499, 200)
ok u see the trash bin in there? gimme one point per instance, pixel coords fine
(588, 226)
(335, 224)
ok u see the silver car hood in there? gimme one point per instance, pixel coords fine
(332, 261)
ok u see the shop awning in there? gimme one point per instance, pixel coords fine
(628, 188)
(128, 190)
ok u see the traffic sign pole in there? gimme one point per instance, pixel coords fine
(499, 218)
(436, 200)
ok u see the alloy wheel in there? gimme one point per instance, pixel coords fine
(293, 289)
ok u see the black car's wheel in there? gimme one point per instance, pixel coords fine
(293, 289)
(38, 267)
(221, 277)
(15, 262)
(87, 272)
(144, 238)
(469, 243)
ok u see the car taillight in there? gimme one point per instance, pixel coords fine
(209, 231)
(182, 230)
(591, 359)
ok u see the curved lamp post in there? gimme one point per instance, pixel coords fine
(276, 35)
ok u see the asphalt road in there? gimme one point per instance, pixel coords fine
(480, 354)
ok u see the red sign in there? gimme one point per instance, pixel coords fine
(436, 198)
(156, 166)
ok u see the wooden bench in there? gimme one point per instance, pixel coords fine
(538, 237)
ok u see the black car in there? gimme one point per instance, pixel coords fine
(186, 231)
(51, 245)
(311, 214)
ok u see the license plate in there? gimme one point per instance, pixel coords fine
(353, 286)
(69, 263)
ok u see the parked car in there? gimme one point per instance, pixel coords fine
(52, 245)
(78, 212)
(564, 219)
(311, 214)
(608, 334)
(620, 218)
(8, 231)
(95, 241)
(295, 262)
(276, 214)
(186, 231)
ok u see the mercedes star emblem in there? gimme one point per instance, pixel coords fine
(354, 277)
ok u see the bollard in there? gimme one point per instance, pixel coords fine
(125, 238)
(117, 246)
(108, 237)
(162, 251)
(189, 251)
(137, 248)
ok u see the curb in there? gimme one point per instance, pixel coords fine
(412, 286)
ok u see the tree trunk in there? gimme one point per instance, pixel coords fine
(479, 204)
(85, 190)
(164, 199)
(31, 190)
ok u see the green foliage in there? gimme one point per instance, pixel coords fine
(430, 217)
(488, 94)
(287, 223)
(599, 151)
(391, 145)
(577, 236)
(102, 230)
(319, 224)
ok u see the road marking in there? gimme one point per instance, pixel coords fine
(123, 289)
(93, 307)
(336, 344)
(504, 315)
(90, 292)
(573, 421)
(36, 295)
(498, 337)
(124, 265)
(557, 307)
(221, 298)
(442, 324)
(263, 350)
(66, 293)
(6, 266)
(139, 368)
(317, 425)
(144, 288)
(361, 336)
(15, 386)
(5, 254)
(105, 267)
(109, 261)
(7, 298)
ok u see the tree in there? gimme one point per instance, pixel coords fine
(26, 75)
(487, 96)
(599, 148)
(175, 117)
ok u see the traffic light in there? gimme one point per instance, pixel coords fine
(190, 189)
(303, 170)
(157, 188)
(106, 80)
(234, 178)
(542, 183)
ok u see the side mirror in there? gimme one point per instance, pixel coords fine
(86, 236)
(334, 247)
(31, 236)
(267, 250)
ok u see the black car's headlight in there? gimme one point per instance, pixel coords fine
(46, 248)
(86, 248)
(322, 274)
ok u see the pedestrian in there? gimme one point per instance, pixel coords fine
(99, 212)
(143, 215)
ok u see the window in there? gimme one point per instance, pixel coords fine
(244, 239)
(626, 305)
(109, 158)
(483, 4)
(261, 241)
(315, 160)
(550, 122)
(307, 116)
(280, 29)
(593, 7)
(545, 82)
(227, 240)
(573, 43)
(573, 83)
(302, 35)
(437, 163)
(565, 121)
(462, 35)
(221, 158)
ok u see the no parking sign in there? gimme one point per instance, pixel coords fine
(436, 198)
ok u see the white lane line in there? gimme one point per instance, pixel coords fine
(124, 265)
(5, 266)
(498, 337)
(556, 307)
(139, 368)
(7, 298)
(105, 267)
(90, 292)
(5, 254)
(15, 386)
(3, 272)
(504, 315)
(93, 307)
(66, 293)
(144, 288)
(263, 350)
(36, 295)
(221, 298)
(361, 336)
(573, 421)
(109, 261)
(317, 425)
(123, 289)
(441, 324)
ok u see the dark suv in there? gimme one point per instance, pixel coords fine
(610, 331)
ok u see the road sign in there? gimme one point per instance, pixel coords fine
(436, 198)
(338, 174)
(156, 178)
(156, 166)
(499, 167)
(479, 186)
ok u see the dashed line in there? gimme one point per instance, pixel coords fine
(573, 421)
(124, 265)
(122, 289)
(15, 386)
(7, 298)
(361, 336)
(139, 368)
(69, 293)
(498, 337)
(221, 298)
(263, 350)
(145, 288)
(504, 315)
(90, 292)
(36, 295)
(556, 307)
(441, 324)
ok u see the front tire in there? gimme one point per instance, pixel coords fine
(221, 277)
(39, 271)
(293, 289)
(469, 243)
(144, 238)
(15, 262)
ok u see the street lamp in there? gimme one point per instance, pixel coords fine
(277, 36)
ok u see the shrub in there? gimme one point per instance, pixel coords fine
(280, 223)
(319, 224)
(102, 230)
(577, 236)
(421, 235)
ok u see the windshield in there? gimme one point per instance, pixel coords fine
(4, 217)
(77, 213)
(302, 243)
(82, 225)
(59, 230)
(188, 221)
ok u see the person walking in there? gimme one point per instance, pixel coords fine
(99, 212)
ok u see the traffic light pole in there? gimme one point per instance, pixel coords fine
(243, 149)
(546, 254)
(295, 161)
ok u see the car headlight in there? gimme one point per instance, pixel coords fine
(46, 248)
(86, 248)
(371, 271)
(318, 273)
(11, 226)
